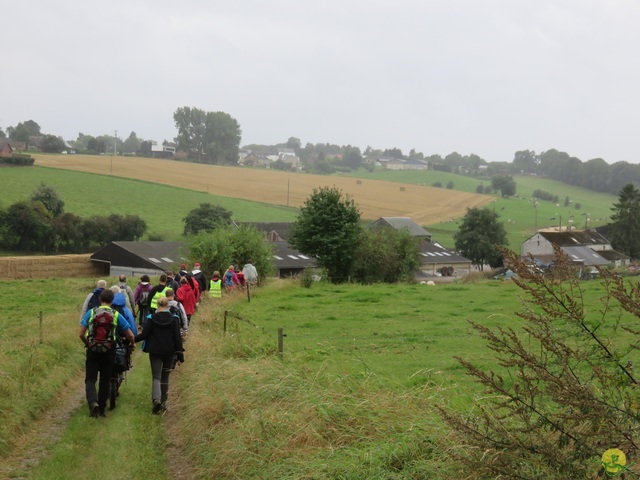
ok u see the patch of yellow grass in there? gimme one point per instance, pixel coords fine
(375, 198)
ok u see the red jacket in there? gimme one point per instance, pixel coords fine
(186, 296)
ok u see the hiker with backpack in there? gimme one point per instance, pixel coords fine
(142, 300)
(126, 290)
(250, 273)
(119, 304)
(186, 295)
(93, 299)
(230, 279)
(98, 329)
(178, 311)
(124, 349)
(199, 277)
(163, 343)
(157, 292)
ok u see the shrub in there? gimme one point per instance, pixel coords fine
(567, 392)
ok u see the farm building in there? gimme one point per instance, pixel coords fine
(275, 231)
(5, 149)
(438, 260)
(434, 258)
(587, 248)
(399, 223)
(162, 151)
(288, 261)
(154, 258)
(137, 258)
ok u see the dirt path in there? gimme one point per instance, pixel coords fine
(178, 464)
(34, 444)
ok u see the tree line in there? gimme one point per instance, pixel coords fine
(214, 138)
(40, 224)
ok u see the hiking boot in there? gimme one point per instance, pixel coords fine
(157, 407)
(102, 413)
(94, 409)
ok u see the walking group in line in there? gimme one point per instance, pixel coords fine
(114, 319)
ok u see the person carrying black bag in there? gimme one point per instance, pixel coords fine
(162, 342)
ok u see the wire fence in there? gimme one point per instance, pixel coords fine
(297, 337)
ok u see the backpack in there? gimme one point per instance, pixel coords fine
(94, 301)
(143, 299)
(122, 358)
(101, 329)
(119, 309)
(228, 279)
(175, 311)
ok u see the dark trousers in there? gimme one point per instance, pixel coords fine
(160, 369)
(143, 312)
(98, 365)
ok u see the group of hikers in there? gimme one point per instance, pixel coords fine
(114, 319)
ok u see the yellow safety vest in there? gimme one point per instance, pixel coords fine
(215, 288)
(154, 300)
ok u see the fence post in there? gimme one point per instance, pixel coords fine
(224, 324)
(248, 294)
(40, 326)
(280, 342)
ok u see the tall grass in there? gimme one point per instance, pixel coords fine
(353, 395)
(31, 370)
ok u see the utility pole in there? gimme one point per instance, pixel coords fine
(115, 143)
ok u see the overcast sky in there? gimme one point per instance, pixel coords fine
(488, 77)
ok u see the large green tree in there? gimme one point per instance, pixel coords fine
(386, 255)
(209, 137)
(52, 144)
(224, 246)
(328, 227)
(23, 131)
(479, 237)
(131, 144)
(49, 198)
(505, 183)
(625, 227)
(206, 217)
(28, 227)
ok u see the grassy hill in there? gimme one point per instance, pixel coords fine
(518, 214)
(163, 207)
(91, 193)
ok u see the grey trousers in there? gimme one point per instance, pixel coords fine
(160, 370)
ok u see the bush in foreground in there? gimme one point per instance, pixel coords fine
(569, 393)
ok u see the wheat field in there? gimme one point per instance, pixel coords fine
(374, 198)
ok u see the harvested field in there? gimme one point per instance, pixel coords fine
(425, 205)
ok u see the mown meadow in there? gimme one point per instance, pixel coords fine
(352, 395)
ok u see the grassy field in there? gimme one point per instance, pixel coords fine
(352, 396)
(519, 215)
(374, 198)
(254, 195)
(162, 206)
